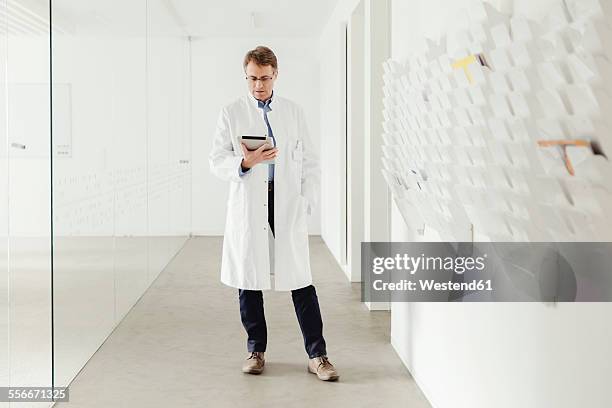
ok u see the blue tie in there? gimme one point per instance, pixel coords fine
(265, 106)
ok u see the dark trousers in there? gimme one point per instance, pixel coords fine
(305, 302)
(271, 205)
(307, 310)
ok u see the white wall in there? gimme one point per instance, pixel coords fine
(218, 78)
(471, 355)
(356, 134)
(496, 354)
(378, 50)
(331, 49)
(366, 191)
(355, 205)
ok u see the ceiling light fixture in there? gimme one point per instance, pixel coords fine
(254, 20)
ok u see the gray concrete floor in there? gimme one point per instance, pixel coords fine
(182, 345)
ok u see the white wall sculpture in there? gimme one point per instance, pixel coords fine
(505, 128)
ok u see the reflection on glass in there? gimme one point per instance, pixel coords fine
(169, 140)
(29, 269)
(121, 176)
(98, 173)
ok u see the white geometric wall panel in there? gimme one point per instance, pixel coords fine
(505, 128)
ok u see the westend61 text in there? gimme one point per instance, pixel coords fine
(432, 285)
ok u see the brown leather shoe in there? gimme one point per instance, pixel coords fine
(323, 368)
(254, 364)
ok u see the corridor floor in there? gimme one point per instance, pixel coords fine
(182, 345)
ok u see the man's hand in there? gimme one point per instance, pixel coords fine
(251, 158)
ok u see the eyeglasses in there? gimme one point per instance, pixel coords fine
(264, 79)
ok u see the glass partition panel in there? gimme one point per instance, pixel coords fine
(129, 157)
(4, 274)
(29, 191)
(99, 177)
(180, 151)
(121, 171)
(168, 130)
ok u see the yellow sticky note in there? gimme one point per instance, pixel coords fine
(464, 64)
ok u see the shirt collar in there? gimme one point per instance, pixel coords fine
(262, 104)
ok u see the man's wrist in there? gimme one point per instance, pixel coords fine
(244, 167)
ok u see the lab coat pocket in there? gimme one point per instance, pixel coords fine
(297, 155)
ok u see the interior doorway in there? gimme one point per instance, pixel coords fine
(366, 195)
(355, 138)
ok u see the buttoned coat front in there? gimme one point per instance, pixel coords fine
(245, 259)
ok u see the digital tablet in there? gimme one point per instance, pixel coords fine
(255, 142)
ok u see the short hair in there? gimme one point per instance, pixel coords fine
(262, 56)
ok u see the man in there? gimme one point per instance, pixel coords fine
(266, 235)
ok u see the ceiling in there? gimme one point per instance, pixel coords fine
(197, 18)
(244, 18)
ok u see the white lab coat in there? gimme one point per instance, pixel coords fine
(246, 258)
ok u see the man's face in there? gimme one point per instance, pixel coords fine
(260, 80)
